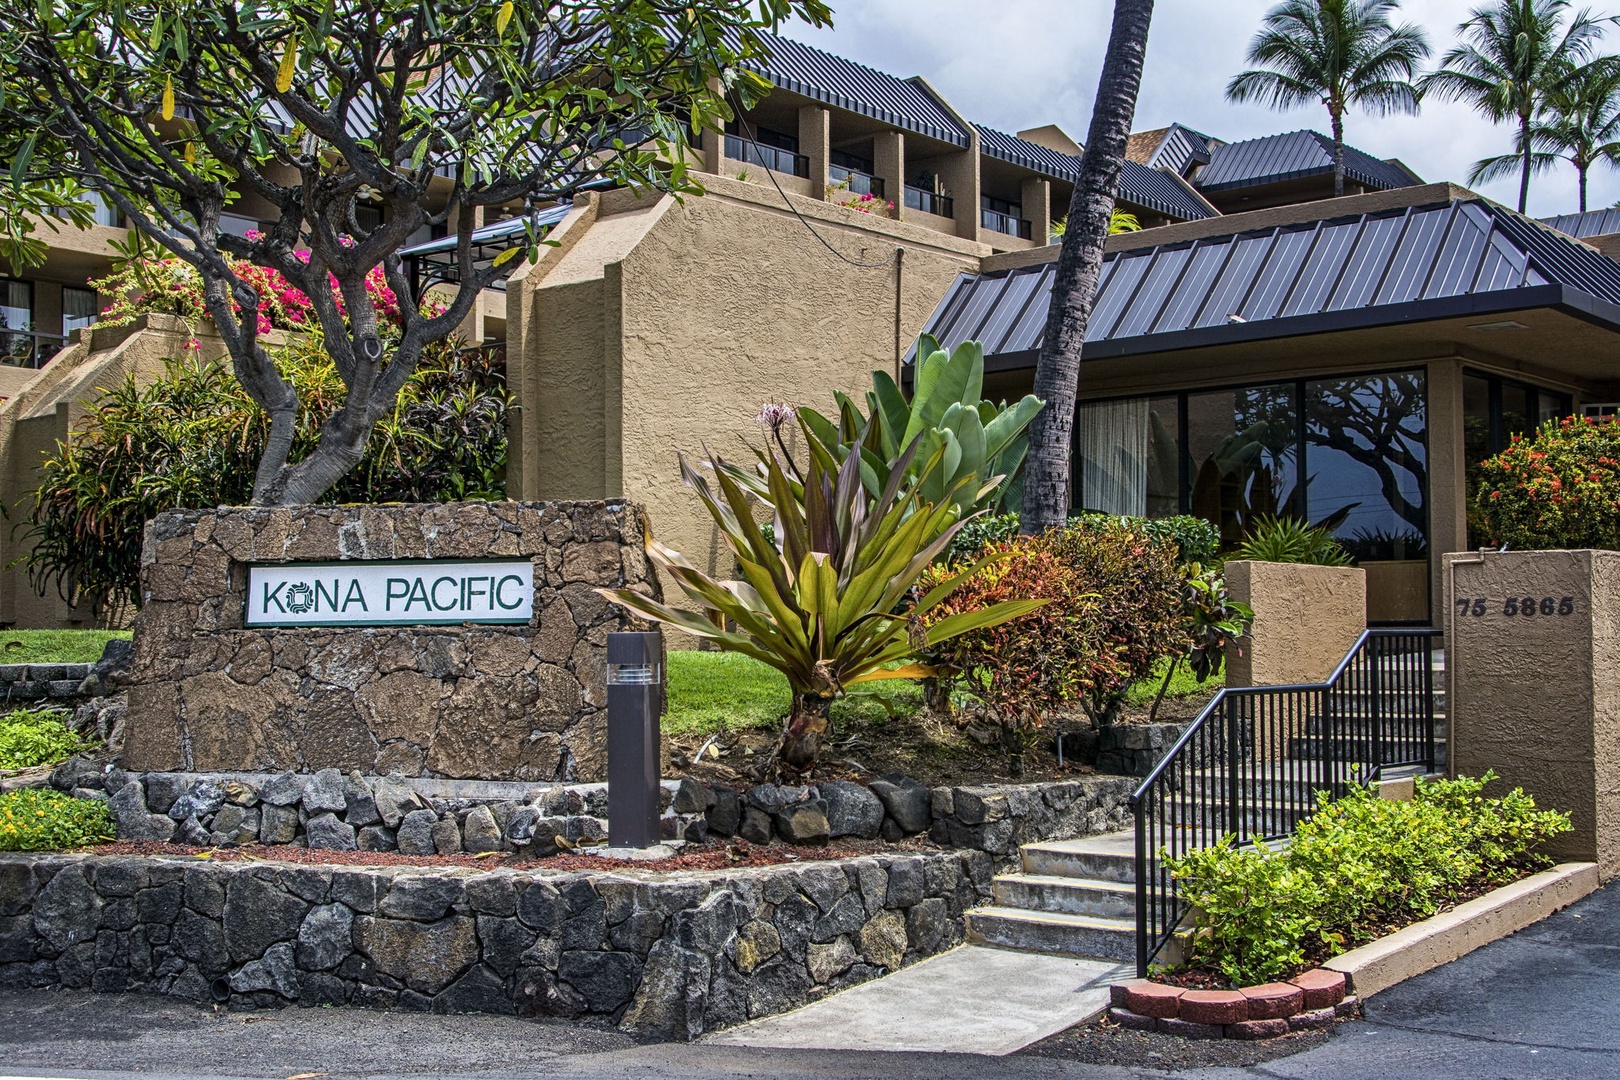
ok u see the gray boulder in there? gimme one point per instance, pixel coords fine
(909, 803)
(283, 790)
(326, 831)
(852, 810)
(479, 832)
(133, 820)
(415, 836)
(803, 823)
(324, 793)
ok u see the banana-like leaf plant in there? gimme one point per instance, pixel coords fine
(825, 601)
(976, 438)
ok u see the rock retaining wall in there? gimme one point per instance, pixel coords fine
(24, 684)
(490, 702)
(675, 954)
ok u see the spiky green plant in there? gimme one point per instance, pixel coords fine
(1292, 540)
(825, 601)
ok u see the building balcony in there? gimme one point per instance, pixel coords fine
(860, 183)
(769, 157)
(996, 221)
(929, 203)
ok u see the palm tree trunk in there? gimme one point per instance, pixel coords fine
(1580, 171)
(1338, 152)
(1079, 265)
(807, 726)
(1524, 153)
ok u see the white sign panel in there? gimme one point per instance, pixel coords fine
(390, 593)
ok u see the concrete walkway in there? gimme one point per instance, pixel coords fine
(971, 1000)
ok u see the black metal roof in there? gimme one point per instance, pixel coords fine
(813, 73)
(1592, 223)
(1151, 189)
(1293, 154)
(436, 261)
(1181, 147)
(1402, 265)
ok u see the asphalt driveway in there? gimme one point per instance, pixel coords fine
(1544, 1003)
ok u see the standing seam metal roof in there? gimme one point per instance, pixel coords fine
(1273, 158)
(1350, 265)
(808, 71)
(1592, 223)
(1180, 147)
(1152, 189)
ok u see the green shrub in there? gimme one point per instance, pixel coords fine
(1291, 540)
(1196, 540)
(28, 739)
(193, 438)
(1354, 868)
(1558, 489)
(39, 819)
(1115, 613)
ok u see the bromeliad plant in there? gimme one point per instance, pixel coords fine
(977, 438)
(825, 601)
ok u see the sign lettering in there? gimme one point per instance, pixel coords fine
(390, 593)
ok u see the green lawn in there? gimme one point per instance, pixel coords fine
(55, 646)
(716, 691)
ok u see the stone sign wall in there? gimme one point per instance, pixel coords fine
(522, 702)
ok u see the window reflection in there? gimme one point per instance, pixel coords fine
(1367, 460)
(1242, 452)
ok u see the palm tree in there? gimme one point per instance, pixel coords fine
(1079, 265)
(1342, 53)
(1514, 57)
(1582, 124)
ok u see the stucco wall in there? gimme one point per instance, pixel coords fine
(708, 309)
(1305, 620)
(1536, 697)
(43, 412)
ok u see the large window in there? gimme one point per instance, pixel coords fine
(1496, 409)
(1233, 456)
(16, 322)
(79, 308)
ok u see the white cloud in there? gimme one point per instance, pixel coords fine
(1023, 63)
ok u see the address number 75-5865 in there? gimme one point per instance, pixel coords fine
(1524, 607)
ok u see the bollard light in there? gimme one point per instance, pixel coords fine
(635, 695)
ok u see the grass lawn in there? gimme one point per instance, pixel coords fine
(55, 646)
(716, 691)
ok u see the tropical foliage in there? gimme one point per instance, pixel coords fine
(1352, 870)
(1557, 489)
(975, 438)
(1291, 540)
(1115, 613)
(1581, 126)
(191, 437)
(349, 127)
(40, 819)
(828, 599)
(1213, 621)
(1514, 58)
(1343, 54)
(29, 739)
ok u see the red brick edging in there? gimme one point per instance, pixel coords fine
(1306, 1002)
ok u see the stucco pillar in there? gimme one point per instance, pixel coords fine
(960, 174)
(889, 165)
(714, 142)
(1037, 201)
(815, 143)
(1530, 686)
(1306, 618)
(1448, 464)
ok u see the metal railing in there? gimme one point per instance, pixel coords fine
(23, 348)
(1252, 762)
(929, 203)
(860, 183)
(996, 221)
(770, 157)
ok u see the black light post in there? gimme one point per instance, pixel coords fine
(635, 694)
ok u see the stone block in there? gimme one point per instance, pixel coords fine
(1133, 1021)
(1321, 988)
(1213, 1006)
(1188, 1029)
(1272, 1000)
(1154, 999)
(1312, 1019)
(1257, 1029)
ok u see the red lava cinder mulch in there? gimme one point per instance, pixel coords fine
(705, 857)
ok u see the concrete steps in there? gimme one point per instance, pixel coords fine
(1070, 897)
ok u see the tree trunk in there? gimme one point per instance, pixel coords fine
(807, 726)
(1057, 372)
(1338, 152)
(1580, 171)
(1524, 152)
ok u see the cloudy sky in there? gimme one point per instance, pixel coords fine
(1017, 64)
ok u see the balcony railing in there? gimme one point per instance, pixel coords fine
(860, 183)
(1005, 223)
(22, 348)
(929, 203)
(769, 157)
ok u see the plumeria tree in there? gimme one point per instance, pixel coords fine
(306, 113)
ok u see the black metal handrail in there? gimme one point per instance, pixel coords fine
(1252, 762)
(770, 157)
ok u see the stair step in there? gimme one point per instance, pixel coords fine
(1109, 857)
(1050, 932)
(1065, 895)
